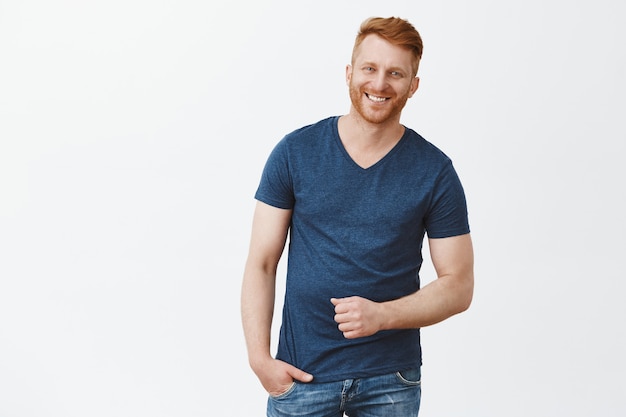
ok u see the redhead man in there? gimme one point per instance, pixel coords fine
(355, 195)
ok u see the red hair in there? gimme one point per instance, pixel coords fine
(394, 30)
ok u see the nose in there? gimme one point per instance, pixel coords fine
(379, 82)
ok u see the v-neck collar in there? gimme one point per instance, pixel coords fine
(380, 161)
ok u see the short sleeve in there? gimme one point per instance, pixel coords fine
(275, 187)
(447, 215)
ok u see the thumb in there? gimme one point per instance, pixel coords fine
(336, 301)
(299, 375)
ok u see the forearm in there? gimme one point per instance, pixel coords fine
(257, 310)
(437, 301)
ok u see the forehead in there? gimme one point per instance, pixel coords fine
(374, 49)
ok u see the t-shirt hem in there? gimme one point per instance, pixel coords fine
(272, 202)
(450, 233)
(364, 374)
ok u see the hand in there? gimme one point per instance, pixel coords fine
(357, 316)
(277, 376)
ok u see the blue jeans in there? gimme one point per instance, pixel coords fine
(392, 395)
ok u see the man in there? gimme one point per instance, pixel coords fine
(356, 195)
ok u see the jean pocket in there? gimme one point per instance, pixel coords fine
(410, 376)
(288, 391)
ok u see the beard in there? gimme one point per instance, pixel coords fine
(368, 111)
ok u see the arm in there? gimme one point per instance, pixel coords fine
(269, 233)
(450, 294)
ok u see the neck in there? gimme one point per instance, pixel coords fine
(368, 142)
(357, 131)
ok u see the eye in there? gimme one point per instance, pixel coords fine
(396, 74)
(368, 69)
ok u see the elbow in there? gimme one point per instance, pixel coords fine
(467, 295)
(465, 303)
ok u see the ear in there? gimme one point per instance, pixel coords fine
(348, 74)
(415, 83)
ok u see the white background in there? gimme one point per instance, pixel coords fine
(132, 136)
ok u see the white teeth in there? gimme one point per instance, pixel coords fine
(376, 99)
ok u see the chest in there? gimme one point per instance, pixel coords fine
(335, 191)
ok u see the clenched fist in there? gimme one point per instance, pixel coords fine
(357, 316)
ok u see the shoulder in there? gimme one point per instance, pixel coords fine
(312, 131)
(305, 141)
(424, 151)
(308, 140)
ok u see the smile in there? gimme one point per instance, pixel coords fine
(375, 98)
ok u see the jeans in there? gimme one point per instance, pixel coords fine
(392, 395)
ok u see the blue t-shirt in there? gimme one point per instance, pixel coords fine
(355, 231)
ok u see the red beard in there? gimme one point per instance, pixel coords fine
(373, 112)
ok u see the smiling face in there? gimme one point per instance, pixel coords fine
(381, 80)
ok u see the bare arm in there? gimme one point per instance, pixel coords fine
(450, 294)
(269, 233)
